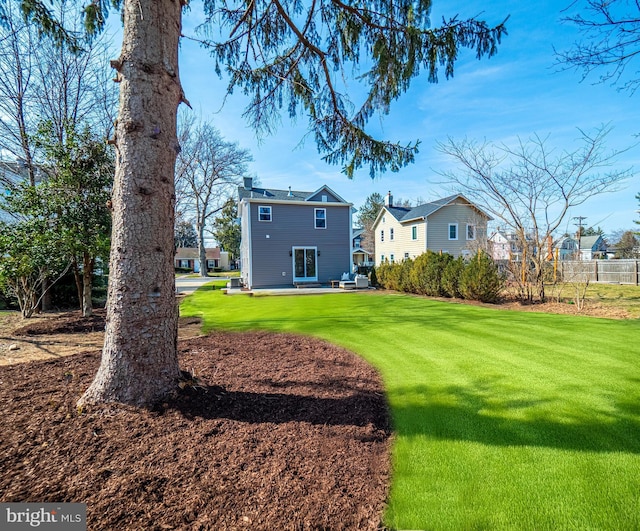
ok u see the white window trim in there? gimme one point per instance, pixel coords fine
(315, 218)
(414, 232)
(260, 214)
(449, 231)
(470, 225)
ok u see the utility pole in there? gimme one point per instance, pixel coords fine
(579, 225)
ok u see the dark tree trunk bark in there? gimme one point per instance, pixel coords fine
(78, 279)
(139, 359)
(45, 302)
(87, 285)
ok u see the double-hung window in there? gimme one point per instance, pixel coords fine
(320, 218)
(264, 213)
(453, 231)
(381, 235)
(471, 232)
(391, 234)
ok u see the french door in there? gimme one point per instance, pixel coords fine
(304, 264)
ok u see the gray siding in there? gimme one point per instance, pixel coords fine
(461, 214)
(292, 225)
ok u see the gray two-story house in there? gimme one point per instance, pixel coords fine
(291, 237)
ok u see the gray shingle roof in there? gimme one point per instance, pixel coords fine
(588, 242)
(275, 195)
(420, 211)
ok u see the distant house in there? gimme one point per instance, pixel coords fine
(292, 237)
(592, 248)
(504, 245)
(451, 225)
(188, 258)
(361, 257)
(567, 248)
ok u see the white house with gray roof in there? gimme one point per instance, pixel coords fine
(451, 225)
(291, 237)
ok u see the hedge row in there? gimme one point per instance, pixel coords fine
(441, 275)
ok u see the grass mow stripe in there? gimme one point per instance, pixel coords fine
(504, 420)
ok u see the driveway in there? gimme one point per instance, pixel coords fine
(189, 285)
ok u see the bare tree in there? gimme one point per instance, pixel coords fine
(530, 188)
(208, 171)
(611, 41)
(17, 116)
(41, 81)
(75, 87)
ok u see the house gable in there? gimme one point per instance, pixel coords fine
(325, 195)
(452, 224)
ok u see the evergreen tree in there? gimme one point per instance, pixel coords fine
(367, 215)
(283, 55)
(76, 195)
(226, 229)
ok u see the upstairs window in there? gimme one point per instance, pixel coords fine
(414, 233)
(321, 218)
(391, 234)
(264, 213)
(453, 231)
(381, 235)
(471, 232)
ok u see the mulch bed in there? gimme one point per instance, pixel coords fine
(66, 323)
(277, 432)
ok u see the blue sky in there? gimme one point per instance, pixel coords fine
(516, 93)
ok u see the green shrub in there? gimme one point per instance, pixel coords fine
(389, 276)
(480, 280)
(373, 277)
(451, 277)
(405, 277)
(427, 273)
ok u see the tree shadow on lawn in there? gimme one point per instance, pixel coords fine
(469, 416)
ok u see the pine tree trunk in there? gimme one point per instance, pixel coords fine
(139, 359)
(87, 285)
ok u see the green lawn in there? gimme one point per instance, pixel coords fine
(504, 419)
